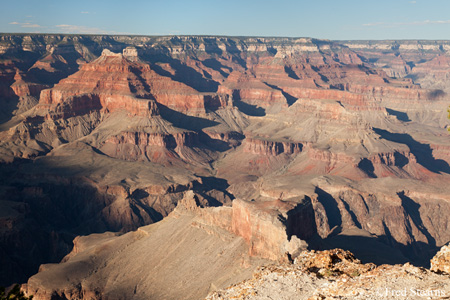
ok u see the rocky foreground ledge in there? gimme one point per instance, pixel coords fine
(337, 274)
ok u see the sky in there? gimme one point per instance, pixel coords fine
(323, 19)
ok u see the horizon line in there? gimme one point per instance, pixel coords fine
(218, 35)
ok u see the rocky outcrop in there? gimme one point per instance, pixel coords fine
(22, 88)
(232, 138)
(441, 261)
(335, 262)
(272, 148)
(337, 274)
(393, 159)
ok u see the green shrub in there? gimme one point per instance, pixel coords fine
(448, 110)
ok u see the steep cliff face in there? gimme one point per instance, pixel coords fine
(111, 82)
(270, 148)
(273, 230)
(154, 147)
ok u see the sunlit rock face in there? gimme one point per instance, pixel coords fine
(337, 274)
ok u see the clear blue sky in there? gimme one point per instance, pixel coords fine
(326, 19)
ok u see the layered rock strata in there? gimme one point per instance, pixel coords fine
(356, 129)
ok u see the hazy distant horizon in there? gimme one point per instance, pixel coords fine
(225, 36)
(326, 19)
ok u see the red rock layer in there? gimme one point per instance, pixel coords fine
(47, 63)
(108, 83)
(232, 138)
(329, 157)
(272, 148)
(155, 147)
(261, 227)
(23, 89)
(438, 65)
(337, 75)
(392, 159)
(117, 83)
(251, 90)
(169, 141)
(396, 164)
(271, 228)
(83, 103)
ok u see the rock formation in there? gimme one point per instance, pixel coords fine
(441, 261)
(337, 274)
(281, 142)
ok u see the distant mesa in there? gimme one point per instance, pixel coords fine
(130, 53)
(107, 52)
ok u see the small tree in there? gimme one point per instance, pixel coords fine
(14, 294)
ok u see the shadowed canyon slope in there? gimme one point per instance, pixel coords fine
(271, 145)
